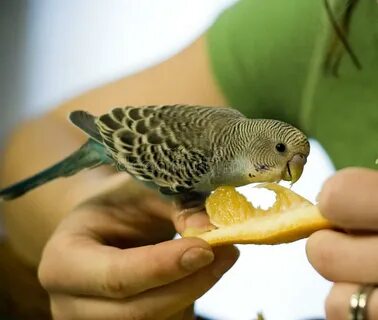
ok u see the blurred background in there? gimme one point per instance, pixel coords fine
(51, 51)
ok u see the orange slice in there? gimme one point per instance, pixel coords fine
(291, 218)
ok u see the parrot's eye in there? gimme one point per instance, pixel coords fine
(280, 147)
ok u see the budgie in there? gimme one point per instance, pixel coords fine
(183, 151)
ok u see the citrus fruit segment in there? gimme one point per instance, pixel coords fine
(290, 218)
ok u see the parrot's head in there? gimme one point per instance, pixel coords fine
(279, 152)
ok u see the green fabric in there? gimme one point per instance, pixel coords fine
(268, 58)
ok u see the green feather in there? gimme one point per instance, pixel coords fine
(91, 154)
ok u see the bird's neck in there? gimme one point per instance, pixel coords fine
(232, 139)
(230, 154)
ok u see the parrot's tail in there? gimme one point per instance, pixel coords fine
(92, 154)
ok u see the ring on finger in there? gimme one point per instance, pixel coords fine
(358, 302)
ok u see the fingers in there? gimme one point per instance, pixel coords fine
(157, 303)
(338, 302)
(341, 257)
(349, 199)
(119, 190)
(93, 269)
(194, 286)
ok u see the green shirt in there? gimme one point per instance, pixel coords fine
(268, 58)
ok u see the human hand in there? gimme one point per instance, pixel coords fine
(113, 258)
(349, 200)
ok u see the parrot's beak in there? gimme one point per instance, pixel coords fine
(294, 168)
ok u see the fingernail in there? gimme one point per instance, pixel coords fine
(196, 258)
(222, 268)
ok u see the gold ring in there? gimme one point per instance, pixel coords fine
(358, 302)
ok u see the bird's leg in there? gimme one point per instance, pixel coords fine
(193, 204)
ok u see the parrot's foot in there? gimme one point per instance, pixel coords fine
(192, 201)
(192, 216)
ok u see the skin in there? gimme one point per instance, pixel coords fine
(117, 236)
(139, 272)
(349, 200)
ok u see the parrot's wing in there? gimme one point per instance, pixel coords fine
(170, 146)
(86, 122)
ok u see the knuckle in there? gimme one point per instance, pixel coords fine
(334, 306)
(132, 312)
(59, 309)
(159, 269)
(56, 312)
(321, 254)
(328, 196)
(140, 315)
(47, 271)
(44, 275)
(332, 195)
(113, 284)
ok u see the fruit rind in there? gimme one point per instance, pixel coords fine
(286, 227)
(291, 218)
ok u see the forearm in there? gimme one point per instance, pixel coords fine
(185, 78)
